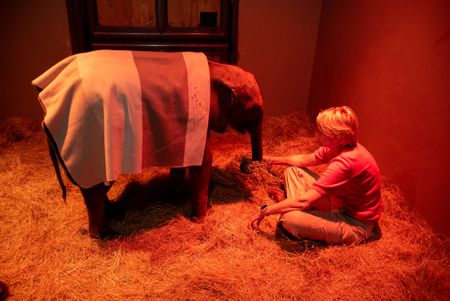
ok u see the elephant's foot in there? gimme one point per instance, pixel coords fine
(200, 180)
(108, 233)
(199, 210)
(104, 232)
(96, 201)
(198, 218)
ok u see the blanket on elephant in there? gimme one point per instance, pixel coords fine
(111, 112)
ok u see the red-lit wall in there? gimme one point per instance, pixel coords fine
(277, 41)
(34, 36)
(390, 61)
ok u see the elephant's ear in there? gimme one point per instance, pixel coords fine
(221, 101)
(241, 83)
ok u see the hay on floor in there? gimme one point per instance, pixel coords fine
(47, 255)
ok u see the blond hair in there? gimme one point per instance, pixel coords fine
(339, 123)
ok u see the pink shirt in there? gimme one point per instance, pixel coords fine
(353, 177)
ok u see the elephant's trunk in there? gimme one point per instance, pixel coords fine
(256, 139)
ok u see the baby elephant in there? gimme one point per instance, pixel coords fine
(109, 112)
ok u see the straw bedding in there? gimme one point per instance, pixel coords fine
(46, 253)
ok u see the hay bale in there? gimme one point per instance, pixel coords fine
(15, 129)
(162, 255)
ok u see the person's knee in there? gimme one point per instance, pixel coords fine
(286, 230)
(291, 172)
(294, 222)
(312, 225)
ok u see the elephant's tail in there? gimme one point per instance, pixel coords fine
(53, 156)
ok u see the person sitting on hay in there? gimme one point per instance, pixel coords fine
(351, 179)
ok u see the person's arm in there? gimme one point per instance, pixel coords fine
(303, 160)
(303, 202)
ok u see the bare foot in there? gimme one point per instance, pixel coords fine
(276, 194)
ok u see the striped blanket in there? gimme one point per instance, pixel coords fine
(111, 112)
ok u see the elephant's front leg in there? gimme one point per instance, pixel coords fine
(95, 199)
(200, 177)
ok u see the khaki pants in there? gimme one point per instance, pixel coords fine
(321, 222)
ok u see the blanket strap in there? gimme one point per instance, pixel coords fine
(54, 158)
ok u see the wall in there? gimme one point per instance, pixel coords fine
(277, 43)
(390, 61)
(35, 35)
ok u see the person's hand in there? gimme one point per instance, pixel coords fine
(257, 219)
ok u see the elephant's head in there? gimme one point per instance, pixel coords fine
(236, 100)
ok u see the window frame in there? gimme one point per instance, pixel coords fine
(219, 43)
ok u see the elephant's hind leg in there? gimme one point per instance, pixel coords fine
(200, 178)
(95, 199)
